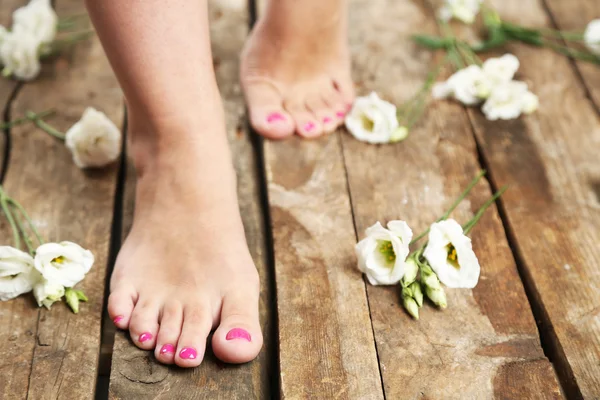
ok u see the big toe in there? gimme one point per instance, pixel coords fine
(267, 115)
(238, 339)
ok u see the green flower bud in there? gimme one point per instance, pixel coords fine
(437, 296)
(410, 272)
(399, 134)
(417, 293)
(411, 306)
(73, 297)
(429, 278)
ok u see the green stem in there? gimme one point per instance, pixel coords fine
(44, 126)
(22, 120)
(469, 225)
(28, 219)
(464, 194)
(10, 218)
(572, 53)
(26, 239)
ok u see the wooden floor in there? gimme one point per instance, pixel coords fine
(529, 330)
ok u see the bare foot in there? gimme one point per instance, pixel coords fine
(185, 268)
(296, 68)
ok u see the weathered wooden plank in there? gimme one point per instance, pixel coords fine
(573, 16)
(550, 159)
(54, 354)
(485, 345)
(135, 373)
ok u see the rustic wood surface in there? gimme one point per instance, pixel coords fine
(330, 335)
(135, 373)
(54, 354)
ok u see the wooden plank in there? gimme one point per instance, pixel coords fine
(54, 354)
(573, 16)
(550, 159)
(135, 373)
(485, 345)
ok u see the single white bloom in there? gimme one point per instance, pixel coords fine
(509, 100)
(382, 253)
(372, 119)
(499, 70)
(17, 275)
(463, 10)
(468, 85)
(19, 54)
(591, 36)
(94, 140)
(3, 33)
(47, 292)
(37, 19)
(64, 263)
(451, 256)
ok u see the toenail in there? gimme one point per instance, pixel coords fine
(188, 353)
(349, 107)
(238, 333)
(309, 126)
(326, 120)
(145, 337)
(118, 319)
(167, 348)
(340, 114)
(275, 117)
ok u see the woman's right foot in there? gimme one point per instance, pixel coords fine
(296, 69)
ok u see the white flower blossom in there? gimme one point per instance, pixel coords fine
(64, 263)
(463, 10)
(47, 292)
(451, 256)
(17, 275)
(499, 70)
(509, 100)
(37, 19)
(19, 54)
(374, 120)
(468, 85)
(591, 36)
(94, 140)
(382, 253)
(3, 33)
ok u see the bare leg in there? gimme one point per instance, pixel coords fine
(185, 267)
(296, 68)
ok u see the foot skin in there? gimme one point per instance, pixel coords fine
(296, 69)
(185, 268)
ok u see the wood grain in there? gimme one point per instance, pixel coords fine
(54, 354)
(550, 159)
(472, 349)
(135, 373)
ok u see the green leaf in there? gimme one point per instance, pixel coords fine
(432, 42)
(81, 296)
(496, 37)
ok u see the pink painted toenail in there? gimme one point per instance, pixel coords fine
(326, 120)
(238, 333)
(118, 319)
(188, 353)
(145, 337)
(167, 348)
(275, 117)
(349, 107)
(309, 126)
(340, 114)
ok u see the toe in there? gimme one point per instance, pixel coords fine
(197, 324)
(238, 339)
(306, 123)
(168, 333)
(345, 88)
(267, 115)
(323, 113)
(337, 103)
(143, 325)
(120, 306)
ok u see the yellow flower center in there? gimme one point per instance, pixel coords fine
(387, 251)
(368, 124)
(452, 256)
(58, 260)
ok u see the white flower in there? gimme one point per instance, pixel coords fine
(64, 263)
(19, 55)
(47, 292)
(591, 36)
(94, 140)
(451, 256)
(468, 85)
(373, 120)
(499, 70)
(17, 274)
(382, 253)
(509, 100)
(37, 19)
(3, 33)
(464, 10)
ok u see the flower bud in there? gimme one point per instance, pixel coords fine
(410, 272)
(411, 306)
(417, 293)
(437, 296)
(73, 297)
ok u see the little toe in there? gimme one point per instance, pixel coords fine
(307, 124)
(169, 332)
(197, 324)
(323, 113)
(267, 115)
(143, 325)
(238, 339)
(120, 306)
